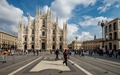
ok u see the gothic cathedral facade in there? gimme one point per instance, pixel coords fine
(42, 33)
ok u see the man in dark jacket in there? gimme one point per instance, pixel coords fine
(57, 53)
(65, 55)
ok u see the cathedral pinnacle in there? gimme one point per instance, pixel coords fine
(49, 12)
(37, 11)
(65, 25)
(57, 19)
(28, 16)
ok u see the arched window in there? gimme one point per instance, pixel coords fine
(25, 38)
(25, 47)
(106, 29)
(110, 28)
(43, 22)
(110, 36)
(60, 47)
(53, 38)
(53, 47)
(114, 26)
(106, 36)
(53, 31)
(32, 38)
(60, 38)
(115, 35)
(32, 31)
(43, 33)
(32, 46)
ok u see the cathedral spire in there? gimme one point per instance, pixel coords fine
(57, 20)
(24, 26)
(20, 23)
(37, 11)
(28, 16)
(49, 12)
(65, 25)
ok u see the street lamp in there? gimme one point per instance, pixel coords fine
(102, 24)
(76, 37)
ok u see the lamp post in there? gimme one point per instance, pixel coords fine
(102, 24)
(76, 37)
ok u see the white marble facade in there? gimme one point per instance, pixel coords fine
(42, 33)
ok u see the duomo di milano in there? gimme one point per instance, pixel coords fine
(42, 33)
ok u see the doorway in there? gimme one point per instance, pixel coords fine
(43, 45)
(110, 46)
(114, 47)
(53, 47)
(25, 47)
(32, 46)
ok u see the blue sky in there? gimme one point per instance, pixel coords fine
(82, 15)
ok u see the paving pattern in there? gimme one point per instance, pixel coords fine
(45, 64)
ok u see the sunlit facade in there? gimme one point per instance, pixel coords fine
(7, 40)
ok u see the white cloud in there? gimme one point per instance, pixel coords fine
(85, 36)
(63, 8)
(104, 8)
(117, 6)
(72, 29)
(9, 13)
(44, 9)
(108, 4)
(9, 17)
(72, 33)
(93, 21)
(14, 28)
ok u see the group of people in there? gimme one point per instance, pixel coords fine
(79, 52)
(108, 53)
(33, 51)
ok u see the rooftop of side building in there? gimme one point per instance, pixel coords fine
(95, 40)
(113, 20)
(1, 31)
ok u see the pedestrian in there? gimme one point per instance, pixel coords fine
(33, 52)
(26, 51)
(69, 53)
(37, 52)
(57, 53)
(65, 54)
(119, 53)
(79, 52)
(50, 51)
(12, 53)
(0, 51)
(4, 57)
(82, 53)
(116, 54)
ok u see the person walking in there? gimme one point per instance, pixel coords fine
(33, 52)
(4, 57)
(65, 55)
(57, 53)
(37, 52)
(50, 51)
(69, 53)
